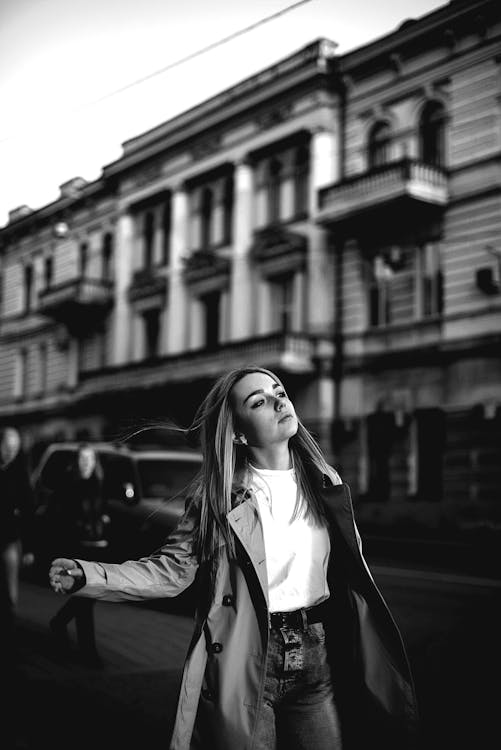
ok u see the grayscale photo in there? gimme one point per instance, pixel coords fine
(250, 374)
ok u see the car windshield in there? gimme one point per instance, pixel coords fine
(162, 478)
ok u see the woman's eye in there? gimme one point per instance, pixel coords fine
(257, 403)
(282, 394)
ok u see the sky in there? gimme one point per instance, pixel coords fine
(62, 62)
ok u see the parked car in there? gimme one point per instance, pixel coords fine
(143, 494)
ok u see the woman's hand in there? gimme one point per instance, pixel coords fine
(63, 575)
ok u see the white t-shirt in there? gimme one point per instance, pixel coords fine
(297, 551)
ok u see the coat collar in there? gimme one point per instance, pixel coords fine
(245, 522)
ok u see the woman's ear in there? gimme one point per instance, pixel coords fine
(239, 438)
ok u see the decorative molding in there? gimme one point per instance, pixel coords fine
(206, 147)
(274, 117)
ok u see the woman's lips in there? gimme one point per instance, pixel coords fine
(287, 416)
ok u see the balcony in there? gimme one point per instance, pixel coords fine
(77, 302)
(290, 354)
(206, 270)
(276, 250)
(146, 284)
(407, 182)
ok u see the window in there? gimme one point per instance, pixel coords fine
(206, 218)
(28, 287)
(166, 230)
(282, 302)
(379, 145)
(301, 179)
(42, 368)
(21, 374)
(274, 190)
(212, 309)
(83, 259)
(148, 238)
(431, 280)
(107, 255)
(392, 274)
(228, 210)
(48, 271)
(427, 446)
(432, 134)
(379, 436)
(152, 332)
(379, 292)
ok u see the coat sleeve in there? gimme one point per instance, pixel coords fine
(165, 573)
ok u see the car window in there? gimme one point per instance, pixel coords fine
(118, 471)
(161, 478)
(55, 469)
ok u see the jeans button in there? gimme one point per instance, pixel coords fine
(228, 600)
(217, 648)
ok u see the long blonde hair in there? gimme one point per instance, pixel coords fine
(224, 477)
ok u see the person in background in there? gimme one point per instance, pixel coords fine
(81, 530)
(17, 507)
(294, 646)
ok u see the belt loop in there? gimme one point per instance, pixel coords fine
(304, 618)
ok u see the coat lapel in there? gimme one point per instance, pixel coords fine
(246, 524)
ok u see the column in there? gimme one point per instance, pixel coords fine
(121, 316)
(242, 305)
(324, 163)
(177, 304)
(321, 283)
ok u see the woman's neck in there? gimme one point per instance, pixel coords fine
(277, 458)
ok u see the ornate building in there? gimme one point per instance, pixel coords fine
(335, 218)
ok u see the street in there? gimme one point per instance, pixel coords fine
(449, 622)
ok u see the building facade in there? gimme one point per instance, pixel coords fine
(334, 218)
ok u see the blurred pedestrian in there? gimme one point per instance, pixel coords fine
(81, 529)
(17, 507)
(294, 646)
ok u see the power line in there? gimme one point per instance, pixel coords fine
(179, 62)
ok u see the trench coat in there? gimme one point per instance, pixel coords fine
(223, 677)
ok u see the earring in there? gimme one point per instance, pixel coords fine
(240, 439)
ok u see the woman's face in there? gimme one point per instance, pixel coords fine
(262, 411)
(86, 462)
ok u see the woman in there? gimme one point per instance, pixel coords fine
(81, 528)
(293, 646)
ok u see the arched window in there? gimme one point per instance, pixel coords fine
(432, 134)
(274, 190)
(379, 144)
(206, 212)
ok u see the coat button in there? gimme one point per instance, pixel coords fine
(228, 600)
(217, 648)
(206, 693)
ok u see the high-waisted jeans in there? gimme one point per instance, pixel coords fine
(299, 711)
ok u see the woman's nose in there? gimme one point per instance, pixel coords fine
(279, 404)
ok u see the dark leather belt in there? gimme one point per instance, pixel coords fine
(299, 618)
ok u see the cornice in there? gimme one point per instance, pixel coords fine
(408, 33)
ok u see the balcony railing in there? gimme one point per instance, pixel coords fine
(282, 352)
(71, 300)
(406, 179)
(205, 264)
(145, 284)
